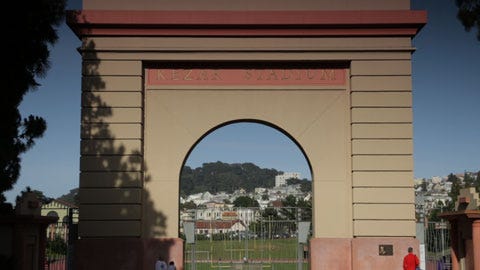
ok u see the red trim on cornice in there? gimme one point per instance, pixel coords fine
(176, 18)
(249, 32)
(107, 22)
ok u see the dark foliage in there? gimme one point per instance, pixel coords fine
(56, 246)
(294, 209)
(477, 182)
(188, 205)
(245, 201)
(469, 180)
(469, 14)
(29, 31)
(217, 176)
(71, 197)
(43, 199)
(305, 185)
(455, 191)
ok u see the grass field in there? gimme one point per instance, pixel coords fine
(251, 266)
(261, 253)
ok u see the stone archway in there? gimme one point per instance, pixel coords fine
(156, 81)
(225, 234)
(266, 130)
(183, 103)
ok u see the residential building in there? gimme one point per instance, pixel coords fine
(281, 180)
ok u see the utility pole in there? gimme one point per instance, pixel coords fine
(300, 245)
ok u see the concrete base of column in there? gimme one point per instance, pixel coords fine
(359, 253)
(331, 253)
(126, 253)
(366, 252)
(476, 244)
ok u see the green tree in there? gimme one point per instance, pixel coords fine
(71, 197)
(433, 215)
(30, 35)
(293, 208)
(293, 181)
(270, 213)
(469, 14)
(245, 201)
(57, 246)
(454, 192)
(305, 209)
(477, 182)
(469, 180)
(289, 211)
(188, 205)
(424, 185)
(305, 185)
(43, 199)
(219, 176)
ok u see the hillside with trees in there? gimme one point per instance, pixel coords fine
(218, 176)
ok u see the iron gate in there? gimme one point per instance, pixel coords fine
(437, 246)
(61, 237)
(247, 238)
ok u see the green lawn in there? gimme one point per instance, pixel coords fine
(228, 254)
(256, 266)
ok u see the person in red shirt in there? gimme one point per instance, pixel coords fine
(410, 261)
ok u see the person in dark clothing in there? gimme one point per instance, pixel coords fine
(171, 266)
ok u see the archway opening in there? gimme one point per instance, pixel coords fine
(246, 186)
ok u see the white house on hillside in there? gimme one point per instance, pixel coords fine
(281, 180)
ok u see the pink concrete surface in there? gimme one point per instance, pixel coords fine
(365, 252)
(469, 259)
(330, 253)
(247, 22)
(126, 253)
(476, 243)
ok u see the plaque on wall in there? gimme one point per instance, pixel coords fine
(385, 250)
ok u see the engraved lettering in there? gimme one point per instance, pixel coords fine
(160, 75)
(327, 74)
(310, 74)
(251, 76)
(203, 75)
(248, 74)
(216, 75)
(175, 74)
(297, 74)
(259, 75)
(187, 75)
(272, 75)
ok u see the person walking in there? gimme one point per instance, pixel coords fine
(410, 261)
(160, 264)
(171, 266)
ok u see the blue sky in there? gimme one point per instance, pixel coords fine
(446, 100)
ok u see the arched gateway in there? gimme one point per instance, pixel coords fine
(158, 75)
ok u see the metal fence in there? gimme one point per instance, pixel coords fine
(56, 262)
(247, 239)
(61, 237)
(437, 246)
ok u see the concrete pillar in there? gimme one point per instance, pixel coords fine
(454, 245)
(476, 244)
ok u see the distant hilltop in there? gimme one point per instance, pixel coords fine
(440, 179)
(218, 176)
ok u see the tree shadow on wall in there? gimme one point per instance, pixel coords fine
(113, 201)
